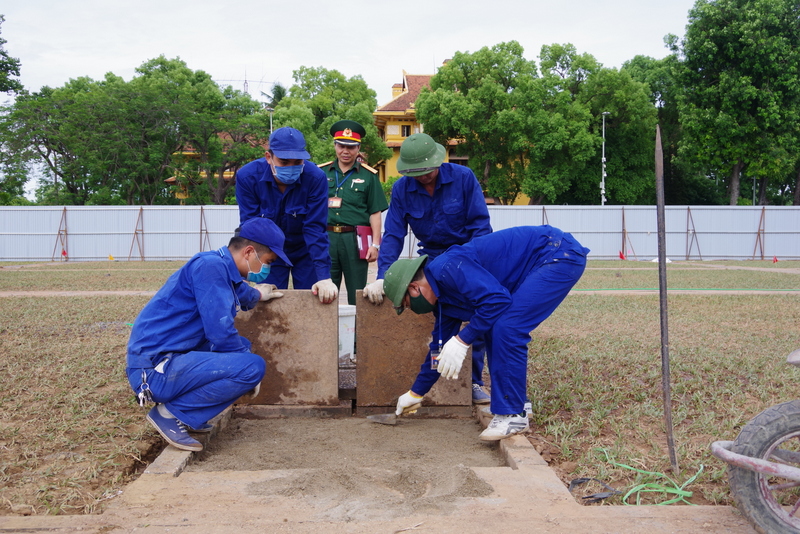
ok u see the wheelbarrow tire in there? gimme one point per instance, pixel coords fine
(749, 488)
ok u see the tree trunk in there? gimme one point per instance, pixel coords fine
(733, 183)
(797, 190)
(762, 191)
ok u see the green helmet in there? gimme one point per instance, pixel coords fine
(397, 278)
(420, 154)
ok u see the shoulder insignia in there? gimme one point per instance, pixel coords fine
(370, 169)
(324, 164)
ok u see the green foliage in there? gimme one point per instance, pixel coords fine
(538, 134)
(472, 99)
(326, 96)
(113, 142)
(387, 186)
(740, 103)
(9, 67)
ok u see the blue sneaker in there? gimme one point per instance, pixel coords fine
(173, 431)
(202, 429)
(479, 396)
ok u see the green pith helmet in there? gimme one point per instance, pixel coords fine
(420, 154)
(397, 278)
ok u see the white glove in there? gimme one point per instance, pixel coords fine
(268, 292)
(253, 393)
(374, 291)
(408, 402)
(452, 357)
(326, 290)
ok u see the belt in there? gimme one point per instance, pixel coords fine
(339, 229)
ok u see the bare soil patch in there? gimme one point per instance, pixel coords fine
(353, 469)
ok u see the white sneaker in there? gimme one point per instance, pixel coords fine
(504, 426)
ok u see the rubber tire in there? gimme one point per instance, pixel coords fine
(755, 439)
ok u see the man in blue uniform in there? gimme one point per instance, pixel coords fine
(293, 193)
(184, 353)
(444, 205)
(504, 284)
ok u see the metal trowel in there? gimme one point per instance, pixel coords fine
(384, 418)
(391, 418)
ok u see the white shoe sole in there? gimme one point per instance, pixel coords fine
(497, 437)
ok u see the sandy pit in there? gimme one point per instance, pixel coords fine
(351, 468)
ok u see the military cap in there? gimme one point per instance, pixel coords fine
(347, 133)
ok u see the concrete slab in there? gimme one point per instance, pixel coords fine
(298, 337)
(390, 350)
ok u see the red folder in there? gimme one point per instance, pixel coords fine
(364, 235)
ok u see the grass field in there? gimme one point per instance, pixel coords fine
(71, 435)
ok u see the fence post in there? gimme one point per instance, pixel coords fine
(138, 236)
(62, 237)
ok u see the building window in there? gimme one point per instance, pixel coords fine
(406, 130)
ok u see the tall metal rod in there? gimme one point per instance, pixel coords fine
(662, 293)
(603, 174)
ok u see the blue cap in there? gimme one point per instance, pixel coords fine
(264, 231)
(288, 143)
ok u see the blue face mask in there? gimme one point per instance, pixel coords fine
(261, 275)
(289, 174)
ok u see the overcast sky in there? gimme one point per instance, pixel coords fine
(262, 42)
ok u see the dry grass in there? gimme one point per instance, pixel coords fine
(595, 382)
(71, 435)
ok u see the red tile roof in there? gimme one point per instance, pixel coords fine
(412, 85)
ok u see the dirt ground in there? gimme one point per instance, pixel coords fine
(355, 469)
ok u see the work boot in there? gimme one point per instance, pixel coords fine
(173, 431)
(479, 396)
(504, 426)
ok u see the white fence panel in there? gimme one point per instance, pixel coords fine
(90, 233)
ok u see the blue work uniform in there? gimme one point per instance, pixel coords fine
(455, 214)
(505, 284)
(184, 340)
(301, 211)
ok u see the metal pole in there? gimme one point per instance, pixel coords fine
(662, 293)
(270, 118)
(603, 175)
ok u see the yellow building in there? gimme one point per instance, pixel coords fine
(397, 120)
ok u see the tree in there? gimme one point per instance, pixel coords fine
(740, 104)
(9, 67)
(278, 92)
(558, 125)
(112, 142)
(227, 130)
(471, 100)
(329, 97)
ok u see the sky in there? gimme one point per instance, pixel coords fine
(263, 42)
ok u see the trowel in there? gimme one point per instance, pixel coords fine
(384, 418)
(391, 418)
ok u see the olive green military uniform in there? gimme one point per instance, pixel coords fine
(361, 195)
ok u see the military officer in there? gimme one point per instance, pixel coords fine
(355, 199)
